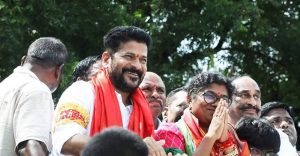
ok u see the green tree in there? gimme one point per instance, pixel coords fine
(259, 37)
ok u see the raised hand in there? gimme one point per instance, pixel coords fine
(224, 136)
(216, 127)
(155, 147)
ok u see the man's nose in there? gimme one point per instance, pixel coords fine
(155, 94)
(136, 64)
(284, 124)
(252, 101)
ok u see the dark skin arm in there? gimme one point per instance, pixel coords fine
(31, 148)
(75, 144)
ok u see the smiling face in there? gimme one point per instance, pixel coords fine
(155, 91)
(281, 119)
(203, 111)
(127, 66)
(245, 99)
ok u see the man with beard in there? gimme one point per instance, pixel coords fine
(155, 91)
(111, 98)
(245, 99)
(280, 115)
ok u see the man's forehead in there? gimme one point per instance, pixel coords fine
(245, 84)
(133, 45)
(177, 99)
(278, 112)
(152, 83)
(180, 94)
(152, 79)
(132, 52)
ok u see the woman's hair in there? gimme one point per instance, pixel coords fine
(205, 79)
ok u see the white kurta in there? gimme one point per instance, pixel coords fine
(74, 113)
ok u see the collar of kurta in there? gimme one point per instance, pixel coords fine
(107, 110)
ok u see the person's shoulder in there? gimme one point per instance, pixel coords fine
(168, 128)
(31, 86)
(80, 93)
(22, 80)
(81, 85)
(37, 85)
(79, 88)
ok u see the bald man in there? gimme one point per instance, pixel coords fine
(155, 91)
(246, 99)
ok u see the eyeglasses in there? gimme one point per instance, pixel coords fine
(245, 95)
(210, 97)
(255, 151)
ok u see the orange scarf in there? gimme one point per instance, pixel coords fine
(107, 112)
(197, 135)
(195, 130)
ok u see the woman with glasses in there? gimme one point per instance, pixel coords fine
(203, 130)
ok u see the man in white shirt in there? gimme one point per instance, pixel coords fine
(26, 105)
(111, 98)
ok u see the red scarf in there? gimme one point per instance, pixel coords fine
(107, 112)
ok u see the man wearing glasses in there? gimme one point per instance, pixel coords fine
(245, 99)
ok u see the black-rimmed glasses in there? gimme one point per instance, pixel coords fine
(210, 97)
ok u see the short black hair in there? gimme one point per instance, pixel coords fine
(116, 141)
(205, 79)
(47, 52)
(258, 133)
(122, 34)
(267, 107)
(81, 69)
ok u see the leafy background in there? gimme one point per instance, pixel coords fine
(260, 38)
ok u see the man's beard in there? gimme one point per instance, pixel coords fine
(118, 79)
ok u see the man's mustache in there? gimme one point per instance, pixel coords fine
(249, 106)
(152, 99)
(132, 70)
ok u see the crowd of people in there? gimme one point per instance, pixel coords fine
(114, 106)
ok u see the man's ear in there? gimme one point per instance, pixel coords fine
(23, 60)
(105, 58)
(189, 99)
(58, 71)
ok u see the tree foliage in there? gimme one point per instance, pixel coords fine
(255, 37)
